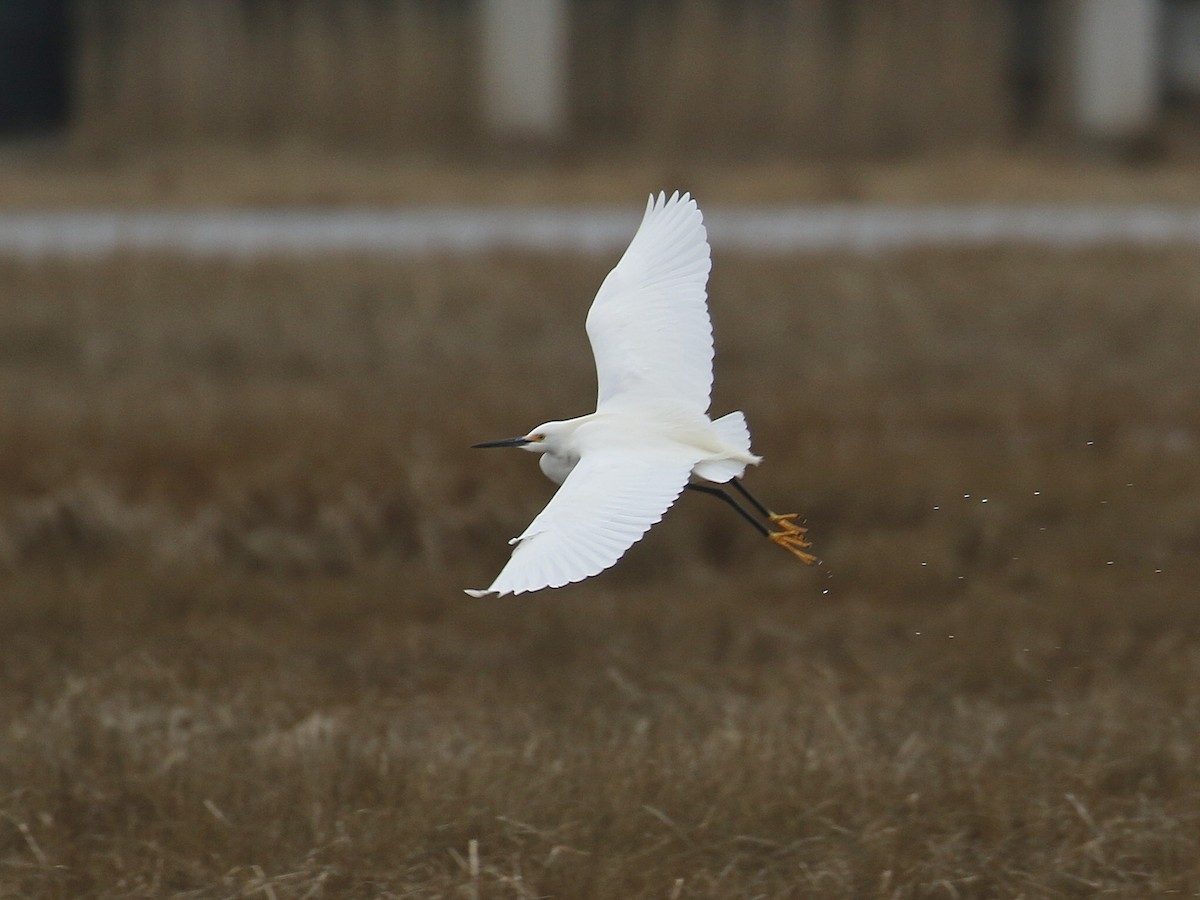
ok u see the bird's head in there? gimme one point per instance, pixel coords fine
(546, 438)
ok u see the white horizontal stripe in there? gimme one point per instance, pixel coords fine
(423, 230)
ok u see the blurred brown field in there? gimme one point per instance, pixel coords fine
(238, 510)
(206, 176)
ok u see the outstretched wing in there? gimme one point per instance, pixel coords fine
(649, 325)
(605, 506)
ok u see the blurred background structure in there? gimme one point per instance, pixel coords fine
(715, 78)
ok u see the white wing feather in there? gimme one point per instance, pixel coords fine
(605, 506)
(649, 326)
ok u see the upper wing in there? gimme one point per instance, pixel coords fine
(649, 325)
(606, 504)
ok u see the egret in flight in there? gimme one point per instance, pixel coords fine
(623, 466)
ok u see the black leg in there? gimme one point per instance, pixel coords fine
(741, 489)
(722, 494)
(788, 535)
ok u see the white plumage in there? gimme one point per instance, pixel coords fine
(623, 466)
(649, 327)
(604, 507)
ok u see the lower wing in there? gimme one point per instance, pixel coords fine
(605, 506)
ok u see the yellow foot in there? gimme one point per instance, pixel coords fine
(787, 523)
(791, 539)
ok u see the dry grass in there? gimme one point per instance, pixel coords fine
(206, 176)
(237, 510)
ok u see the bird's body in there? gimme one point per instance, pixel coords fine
(671, 432)
(623, 466)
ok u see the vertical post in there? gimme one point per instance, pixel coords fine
(1182, 36)
(524, 67)
(1117, 56)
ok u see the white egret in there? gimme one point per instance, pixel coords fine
(623, 466)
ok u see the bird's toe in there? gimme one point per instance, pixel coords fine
(794, 543)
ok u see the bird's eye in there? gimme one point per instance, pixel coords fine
(539, 437)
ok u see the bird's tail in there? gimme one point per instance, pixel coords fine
(731, 430)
